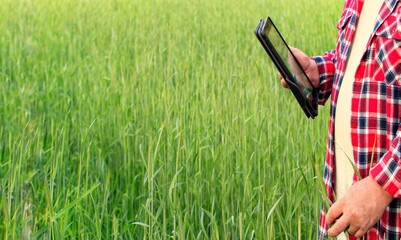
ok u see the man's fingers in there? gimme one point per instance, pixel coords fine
(360, 233)
(352, 230)
(284, 83)
(340, 226)
(335, 211)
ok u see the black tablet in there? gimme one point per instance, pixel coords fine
(288, 66)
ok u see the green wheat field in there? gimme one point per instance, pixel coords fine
(157, 119)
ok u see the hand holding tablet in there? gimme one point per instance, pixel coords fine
(288, 66)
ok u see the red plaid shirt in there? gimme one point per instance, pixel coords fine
(375, 108)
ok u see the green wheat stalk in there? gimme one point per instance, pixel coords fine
(351, 162)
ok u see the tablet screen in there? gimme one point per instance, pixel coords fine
(288, 58)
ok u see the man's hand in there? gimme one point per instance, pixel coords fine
(308, 65)
(360, 208)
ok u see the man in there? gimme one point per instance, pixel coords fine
(363, 77)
